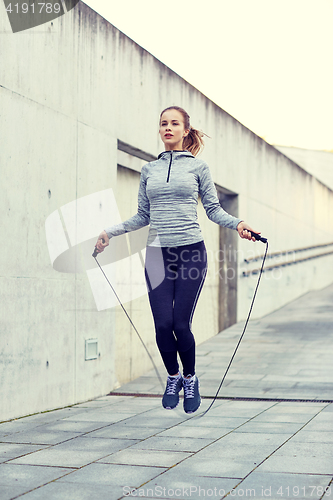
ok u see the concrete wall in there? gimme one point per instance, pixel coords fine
(70, 90)
(317, 163)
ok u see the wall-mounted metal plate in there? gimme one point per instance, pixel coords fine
(91, 349)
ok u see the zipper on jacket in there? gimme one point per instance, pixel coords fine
(169, 167)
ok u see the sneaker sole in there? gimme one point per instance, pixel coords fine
(193, 411)
(170, 407)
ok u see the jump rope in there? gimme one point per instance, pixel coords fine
(258, 238)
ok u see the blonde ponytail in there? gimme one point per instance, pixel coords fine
(193, 142)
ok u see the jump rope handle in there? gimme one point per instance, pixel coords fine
(258, 237)
(95, 251)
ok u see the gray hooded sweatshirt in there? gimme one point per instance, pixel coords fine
(168, 199)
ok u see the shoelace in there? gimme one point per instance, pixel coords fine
(189, 388)
(171, 386)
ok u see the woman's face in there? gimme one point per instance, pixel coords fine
(172, 130)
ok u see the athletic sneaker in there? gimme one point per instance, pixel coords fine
(192, 399)
(171, 395)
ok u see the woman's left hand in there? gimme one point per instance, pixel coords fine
(244, 231)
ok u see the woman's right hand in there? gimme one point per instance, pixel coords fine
(100, 245)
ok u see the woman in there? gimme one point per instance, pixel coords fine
(176, 260)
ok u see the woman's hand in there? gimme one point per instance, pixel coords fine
(244, 231)
(100, 245)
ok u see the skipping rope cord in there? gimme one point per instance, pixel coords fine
(144, 345)
(247, 320)
(258, 238)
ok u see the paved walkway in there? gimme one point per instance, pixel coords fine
(122, 446)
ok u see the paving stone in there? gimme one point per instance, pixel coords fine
(298, 465)
(177, 414)
(314, 403)
(113, 474)
(62, 491)
(324, 417)
(75, 453)
(146, 457)
(119, 430)
(19, 425)
(216, 467)
(292, 448)
(261, 405)
(73, 425)
(237, 452)
(226, 422)
(152, 422)
(12, 491)
(233, 410)
(196, 432)
(145, 388)
(251, 439)
(301, 418)
(138, 402)
(237, 376)
(103, 401)
(173, 485)
(269, 427)
(328, 408)
(293, 408)
(132, 408)
(172, 444)
(97, 404)
(317, 425)
(11, 450)
(305, 436)
(51, 416)
(29, 476)
(99, 416)
(276, 486)
(37, 436)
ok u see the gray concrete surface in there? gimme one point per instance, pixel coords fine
(125, 446)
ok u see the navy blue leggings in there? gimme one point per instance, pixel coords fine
(174, 278)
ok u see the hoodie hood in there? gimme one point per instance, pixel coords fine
(166, 154)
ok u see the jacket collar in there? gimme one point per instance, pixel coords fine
(175, 154)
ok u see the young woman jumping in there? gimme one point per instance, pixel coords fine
(176, 259)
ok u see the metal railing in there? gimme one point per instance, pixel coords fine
(287, 262)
